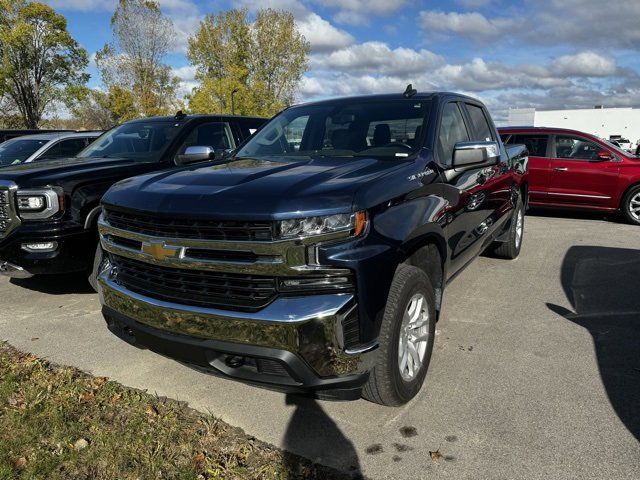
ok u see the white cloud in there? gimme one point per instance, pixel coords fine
(322, 35)
(358, 12)
(377, 58)
(472, 25)
(584, 64)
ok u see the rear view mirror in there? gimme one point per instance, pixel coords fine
(195, 154)
(468, 155)
(604, 155)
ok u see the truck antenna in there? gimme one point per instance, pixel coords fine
(410, 91)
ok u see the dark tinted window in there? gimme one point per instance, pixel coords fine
(143, 141)
(452, 131)
(65, 148)
(536, 144)
(216, 135)
(249, 126)
(576, 148)
(17, 150)
(481, 125)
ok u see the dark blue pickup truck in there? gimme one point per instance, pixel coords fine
(314, 258)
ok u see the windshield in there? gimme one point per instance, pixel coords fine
(141, 141)
(16, 151)
(385, 129)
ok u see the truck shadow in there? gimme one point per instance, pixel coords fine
(603, 286)
(55, 284)
(312, 434)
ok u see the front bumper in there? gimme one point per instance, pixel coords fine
(73, 253)
(294, 344)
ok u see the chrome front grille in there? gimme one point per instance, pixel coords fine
(8, 218)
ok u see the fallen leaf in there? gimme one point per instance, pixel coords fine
(33, 339)
(152, 411)
(20, 463)
(100, 380)
(200, 457)
(435, 456)
(87, 397)
(81, 444)
(116, 397)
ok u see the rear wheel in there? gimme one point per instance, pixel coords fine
(511, 248)
(406, 339)
(631, 205)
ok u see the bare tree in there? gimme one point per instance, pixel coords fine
(134, 60)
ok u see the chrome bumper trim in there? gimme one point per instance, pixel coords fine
(310, 327)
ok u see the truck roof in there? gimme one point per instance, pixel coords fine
(391, 96)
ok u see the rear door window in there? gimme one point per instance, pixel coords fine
(536, 144)
(482, 131)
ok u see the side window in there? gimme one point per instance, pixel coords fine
(294, 131)
(65, 148)
(576, 148)
(536, 144)
(480, 123)
(216, 135)
(452, 131)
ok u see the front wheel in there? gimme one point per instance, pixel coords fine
(631, 206)
(511, 248)
(406, 339)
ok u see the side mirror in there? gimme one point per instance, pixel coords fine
(195, 154)
(467, 155)
(604, 155)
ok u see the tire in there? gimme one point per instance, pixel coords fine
(630, 202)
(386, 384)
(98, 259)
(511, 248)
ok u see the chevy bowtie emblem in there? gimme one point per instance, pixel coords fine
(159, 251)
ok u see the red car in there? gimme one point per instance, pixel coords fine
(571, 169)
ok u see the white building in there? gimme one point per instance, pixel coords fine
(603, 122)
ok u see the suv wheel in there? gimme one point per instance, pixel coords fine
(406, 339)
(511, 248)
(631, 205)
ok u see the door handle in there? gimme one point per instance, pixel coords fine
(561, 169)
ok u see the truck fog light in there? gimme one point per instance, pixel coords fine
(40, 247)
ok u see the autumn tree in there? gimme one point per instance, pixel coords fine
(38, 59)
(262, 62)
(133, 63)
(94, 109)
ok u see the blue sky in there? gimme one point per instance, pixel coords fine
(525, 53)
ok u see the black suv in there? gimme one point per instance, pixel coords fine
(49, 209)
(315, 258)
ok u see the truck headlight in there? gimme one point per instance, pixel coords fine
(38, 204)
(355, 223)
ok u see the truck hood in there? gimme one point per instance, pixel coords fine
(59, 171)
(252, 188)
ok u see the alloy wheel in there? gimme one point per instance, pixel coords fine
(414, 336)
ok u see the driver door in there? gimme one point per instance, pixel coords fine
(577, 177)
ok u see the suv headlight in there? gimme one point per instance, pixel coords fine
(355, 223)
(38, 204)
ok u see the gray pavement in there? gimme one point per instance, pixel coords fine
(535, 374)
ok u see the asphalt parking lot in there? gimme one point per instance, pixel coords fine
(535, 374)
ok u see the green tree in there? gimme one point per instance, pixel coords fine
(38, 58)
(133, 64)
(262, 62)
(96, 110)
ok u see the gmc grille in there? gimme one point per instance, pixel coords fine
(5, 211)
(188, 228)
(194, 287)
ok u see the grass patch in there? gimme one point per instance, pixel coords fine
(59, 423)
